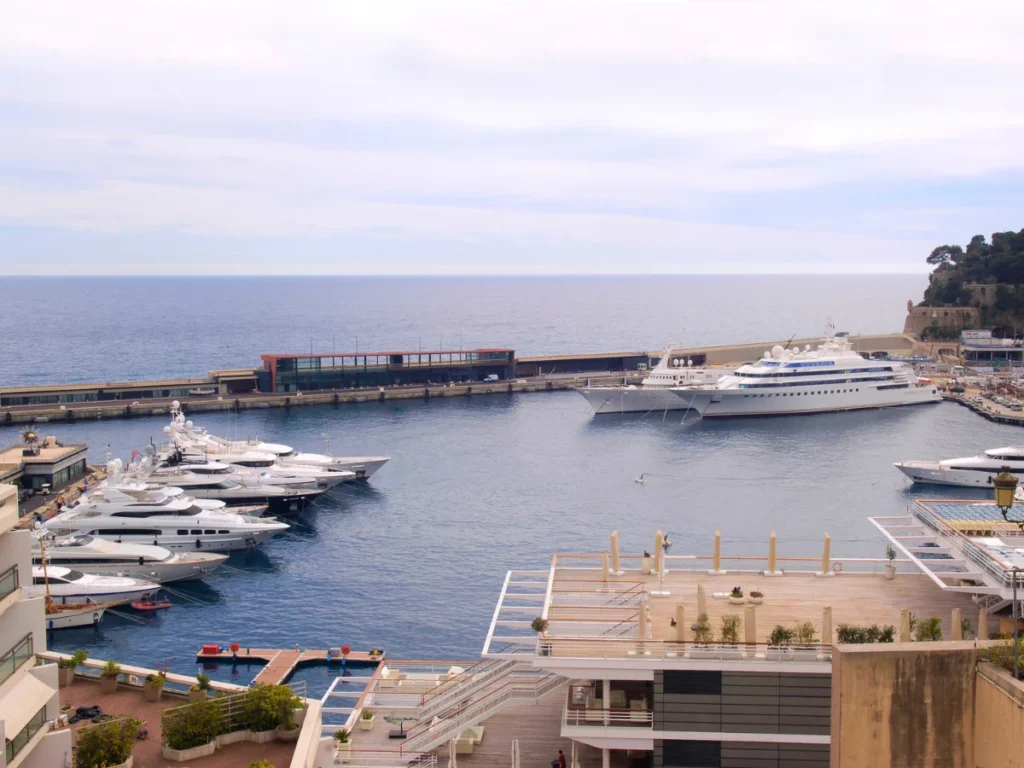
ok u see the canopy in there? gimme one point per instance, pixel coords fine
(23, 703)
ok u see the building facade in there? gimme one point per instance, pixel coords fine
(29, 693)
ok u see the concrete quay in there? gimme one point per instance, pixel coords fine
(117, 409)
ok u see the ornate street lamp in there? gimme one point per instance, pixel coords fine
(1006, 486)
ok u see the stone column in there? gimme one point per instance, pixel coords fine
(606, 758)
(604, 567)
(826, 625)
(716, 559)
(771, 557)
(616, 565)
(904, 636)
(826, 557)
(659, 551)
(958, 630)
(680, 623)
(750, 625)
(983, 624)
(606, 698)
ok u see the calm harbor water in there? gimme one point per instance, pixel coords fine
(116, 329)
(413, 561)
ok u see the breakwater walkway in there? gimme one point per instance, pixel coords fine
(119, 409)
(987, 409)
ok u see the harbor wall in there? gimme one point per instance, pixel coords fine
(998, 719)
(904, 705)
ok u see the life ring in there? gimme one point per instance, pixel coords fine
(837, 567)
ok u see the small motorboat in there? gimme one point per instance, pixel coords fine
(151, 605)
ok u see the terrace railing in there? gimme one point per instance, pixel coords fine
(613, 718)
(616, 648)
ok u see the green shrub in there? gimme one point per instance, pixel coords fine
(157, 680)
(539, 625)
(928, 630)
(341, 736)
(702, 629)
(1002, 655)
(202, 683)
(367, 714)
(262, 764)
(111, 669)
(77, 659)
(270, 706)
(106, 744)
(780, 636)
(192, 725)
(806, 633)
(850, 633)
(730, 629)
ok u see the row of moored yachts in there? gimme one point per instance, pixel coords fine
(172, 515)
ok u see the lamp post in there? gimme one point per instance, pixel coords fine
(1006, 486)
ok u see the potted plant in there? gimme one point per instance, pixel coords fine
(366, 720)
(342, 746)
(539, 625)
(262, 764)
(201, 690)
(756, 598)
(109, 675)
(890, 555)
(66, 668)
(928, 630)
(153, 686)
(806, 634)
(285, 702)
(780, 637)
(702, 629)
(736, 596)
(730, 629)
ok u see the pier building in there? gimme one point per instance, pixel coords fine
(351, 370)
(29, 695)
(981, 352)
(45, 464)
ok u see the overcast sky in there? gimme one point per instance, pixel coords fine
(547, 137)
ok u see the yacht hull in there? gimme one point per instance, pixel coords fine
(86, 616)
(933, 473)
(733, 403)
(635, 400)
(199, 565)
(118, 597)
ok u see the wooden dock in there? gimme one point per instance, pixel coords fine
(281, 662)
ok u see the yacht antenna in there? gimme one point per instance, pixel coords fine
(790, 341)
(46, 578)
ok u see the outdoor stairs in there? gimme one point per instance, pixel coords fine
(470, 702)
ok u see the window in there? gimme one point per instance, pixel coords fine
(17, 742)
(9, 581)
(183, 532)
(197, 532)
(209, 532)
(14, 658)
(223, 531)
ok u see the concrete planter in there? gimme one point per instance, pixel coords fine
(152, 692)
(342, 752)
(755, 600)
(233, 738)
(184, 755)
(194, 696)
(890, 572)
(290, 735)
(737, 600)
(65, 676)
(366, 725)
(300, 715)
(108, 684)
(129, 763)
(645, 565)
(262, 737)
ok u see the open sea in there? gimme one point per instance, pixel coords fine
(413, 561)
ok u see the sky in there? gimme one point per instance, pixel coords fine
(331, 137)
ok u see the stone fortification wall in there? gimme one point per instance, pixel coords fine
(998, 719)
(956, 318)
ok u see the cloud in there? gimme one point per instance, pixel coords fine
(665, 127)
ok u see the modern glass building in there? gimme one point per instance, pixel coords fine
(980, 350)
(348, 370)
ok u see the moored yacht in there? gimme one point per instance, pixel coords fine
(657, 391)
(970, 471)
(163, 517)
(186, 434)
(832, 377)
(67, 586)
(96, 555)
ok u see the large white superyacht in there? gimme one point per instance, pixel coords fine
(970, 471)
(657, 391)
(832, 377)
(96, 555)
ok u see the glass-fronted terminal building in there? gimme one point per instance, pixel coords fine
(348, 370)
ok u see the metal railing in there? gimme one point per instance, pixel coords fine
(17, 742)
(614, 718)
(971, 551)
(380, 758)
(14, 658)
(614, 648)
(9, 581)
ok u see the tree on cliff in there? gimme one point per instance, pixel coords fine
(999, 260)
(945, 254)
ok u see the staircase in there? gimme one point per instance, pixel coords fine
(476, 702)
(484, 674)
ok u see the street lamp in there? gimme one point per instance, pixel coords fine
(1006, 486)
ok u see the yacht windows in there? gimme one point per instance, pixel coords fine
(183, 531)
(127, 532)
(209, 532)
(222, 531)
(197, 531)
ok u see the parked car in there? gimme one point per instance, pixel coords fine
(957, 390)
(491, 377)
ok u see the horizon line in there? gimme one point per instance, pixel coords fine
(93, 276)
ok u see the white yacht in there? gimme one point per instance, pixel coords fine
(225, 486)
(164, 517)
(970, 471)
(96, 555)
(73, 616)
(832, 377)
(187, 434)
(656, 391)
(257, 467)
(67, 586)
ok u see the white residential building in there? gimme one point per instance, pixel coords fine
(29, 694)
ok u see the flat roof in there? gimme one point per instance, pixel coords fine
(58, 388)
(593, 356)
(46, 455)
(309, 355)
